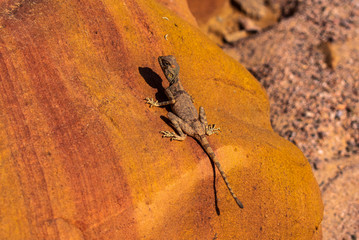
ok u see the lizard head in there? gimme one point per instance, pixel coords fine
(169, 67)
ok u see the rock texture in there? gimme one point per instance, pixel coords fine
(80, 152)
(204, 10)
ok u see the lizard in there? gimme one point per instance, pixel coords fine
(184, 116)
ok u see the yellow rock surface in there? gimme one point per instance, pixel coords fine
(81, 156)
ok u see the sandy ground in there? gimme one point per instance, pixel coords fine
(306, 55)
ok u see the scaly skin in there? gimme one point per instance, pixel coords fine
(185, 118)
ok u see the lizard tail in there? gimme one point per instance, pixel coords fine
(205, 144)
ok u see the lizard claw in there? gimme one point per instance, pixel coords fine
(210, 129)
(172, 135)
(152, 102)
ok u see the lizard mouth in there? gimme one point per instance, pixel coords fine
(161, 62)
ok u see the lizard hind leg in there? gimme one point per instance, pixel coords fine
(181, 127)
(210, 129)
(202, 116)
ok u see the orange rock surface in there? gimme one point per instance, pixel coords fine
(81, 156)
(204, 10)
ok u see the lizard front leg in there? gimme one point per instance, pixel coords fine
(164, 103)
(181, 127)
(154, 103)
(210, 129)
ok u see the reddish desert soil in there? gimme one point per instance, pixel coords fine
(306, 55)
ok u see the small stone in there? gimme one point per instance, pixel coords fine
(234, 37)
(249, 25)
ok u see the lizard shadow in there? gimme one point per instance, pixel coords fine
(155, 81)
(214, 189)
